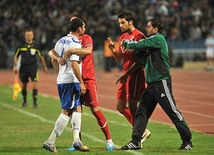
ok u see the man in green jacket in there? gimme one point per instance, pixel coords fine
(154, 51)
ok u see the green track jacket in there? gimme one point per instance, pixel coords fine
(154, 50)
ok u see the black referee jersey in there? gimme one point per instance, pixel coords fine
(29, 54)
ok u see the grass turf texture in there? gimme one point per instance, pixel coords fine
(24, 130)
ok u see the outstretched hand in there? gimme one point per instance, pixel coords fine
(111, 45)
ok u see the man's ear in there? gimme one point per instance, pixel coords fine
(131, 22)
(78, 29)
(155, 30)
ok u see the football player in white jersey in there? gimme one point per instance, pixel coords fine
(70, 86)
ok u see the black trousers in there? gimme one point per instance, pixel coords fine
(159, 92)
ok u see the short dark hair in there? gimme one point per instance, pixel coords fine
(74, 24)
(157, 23)
(127, 15)
(28, 29)
(77, 15)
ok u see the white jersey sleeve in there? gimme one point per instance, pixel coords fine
(66, 74)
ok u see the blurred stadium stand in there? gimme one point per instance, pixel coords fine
(186, 23)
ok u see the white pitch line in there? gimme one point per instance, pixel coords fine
(67, 128)
(198, 114)
(193, 101)
(197, 125)
(193, 113)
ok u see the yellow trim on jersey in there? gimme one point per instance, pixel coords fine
(17, 52)
(39, 53)
(23, 49)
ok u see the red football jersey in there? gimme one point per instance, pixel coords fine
(88, 72)
(127, 55)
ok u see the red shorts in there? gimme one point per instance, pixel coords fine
(133, 88)
(90, 97)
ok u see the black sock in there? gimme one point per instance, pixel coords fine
(35, 93)
(24, 94)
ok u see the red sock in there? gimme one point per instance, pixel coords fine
(102, 123)
(127, 114)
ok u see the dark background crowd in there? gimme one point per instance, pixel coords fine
(189, 20)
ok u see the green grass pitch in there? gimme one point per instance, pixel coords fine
(24, 130)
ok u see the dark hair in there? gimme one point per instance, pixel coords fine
(28, 29)
(77, 15)
(74, 24)
(157, 23)
(127, 15)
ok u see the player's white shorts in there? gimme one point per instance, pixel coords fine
(69, 95)
(210, 53)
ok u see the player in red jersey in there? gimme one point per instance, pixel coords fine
(88, 74)
(129, 90)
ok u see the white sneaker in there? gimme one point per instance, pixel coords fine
(109, 145)
(49, 147)
(145, 135)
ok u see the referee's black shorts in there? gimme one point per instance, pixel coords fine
(28, 72)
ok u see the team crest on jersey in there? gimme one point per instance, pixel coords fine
(33, 51)
(131, 38)
(124, 50)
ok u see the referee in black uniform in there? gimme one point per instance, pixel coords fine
(26, 63)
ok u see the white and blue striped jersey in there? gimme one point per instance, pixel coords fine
(66, 74)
